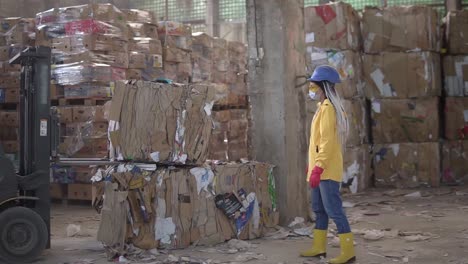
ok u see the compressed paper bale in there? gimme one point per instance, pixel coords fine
(407, 165)
(456, 118)
(358, 116)
(173, 120)
(456, 33)
(357, 174)
(402, 75)
(405, 120)
(455, 161)
(332, 26)
(455, 75)
(400, 28)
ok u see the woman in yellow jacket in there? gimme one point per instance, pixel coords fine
(327, 140)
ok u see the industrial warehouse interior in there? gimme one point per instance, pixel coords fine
(233, 131)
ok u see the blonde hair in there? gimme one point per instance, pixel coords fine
(341, 117)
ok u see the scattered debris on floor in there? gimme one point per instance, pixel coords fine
(73, 230)
(298, 221)
(373, 234)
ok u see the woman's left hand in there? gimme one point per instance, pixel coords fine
(314, 179)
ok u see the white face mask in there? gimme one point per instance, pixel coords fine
(313, 95)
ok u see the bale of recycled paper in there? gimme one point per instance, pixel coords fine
(407, 165)
(402, 75)
(455, 75)
(405, 120)
(332, 26)
(456, 32)
(456, 118)
(455, 162)
(173, 121)
(357, 173)
(229, 138)
(176, 207)
(400, 28)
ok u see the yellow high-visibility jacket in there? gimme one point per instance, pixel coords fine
(325, 147)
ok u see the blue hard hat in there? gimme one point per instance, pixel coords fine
(325, 73)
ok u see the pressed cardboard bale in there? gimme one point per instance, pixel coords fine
(173, 120)
(405, 120)
(456, 33)
(456, 118)
(358, 121)
(455, 161)
(402, 75)
(357, 174)
(332, 26)
(456, 75)
(400, 28)
(407, 165)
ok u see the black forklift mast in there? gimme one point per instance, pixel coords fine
(35, 128)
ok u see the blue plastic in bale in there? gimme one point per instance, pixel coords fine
(2, 95)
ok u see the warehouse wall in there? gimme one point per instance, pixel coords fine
(29, 8)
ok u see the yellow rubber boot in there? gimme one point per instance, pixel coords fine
(319, 245)
(347, 250)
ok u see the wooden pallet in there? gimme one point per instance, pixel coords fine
(80, 101)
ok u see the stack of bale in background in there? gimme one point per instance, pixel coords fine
(15, 35)
(176, 40)
(175, 204)
(145, 60)
(333, 38)
(402, 78)
(454, 149)
(237, 100)
(89, 52)
(97, 44)
(225, 64)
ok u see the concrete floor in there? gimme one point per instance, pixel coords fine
(440, 216)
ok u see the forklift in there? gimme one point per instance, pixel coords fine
(24, 194)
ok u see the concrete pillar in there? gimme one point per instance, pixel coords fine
(275, 33)
(212, 18)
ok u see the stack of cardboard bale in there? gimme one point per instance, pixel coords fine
(333, 38)
(176, 203)
(15, 35)
(402, 79)
(145, 59)
(224, 63)
(176, 39)
(455, 65)
(89, 52)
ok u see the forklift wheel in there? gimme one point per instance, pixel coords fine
(23, 235)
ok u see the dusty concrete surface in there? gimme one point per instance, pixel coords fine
(439, 219)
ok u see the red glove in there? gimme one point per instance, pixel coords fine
(314, 179)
